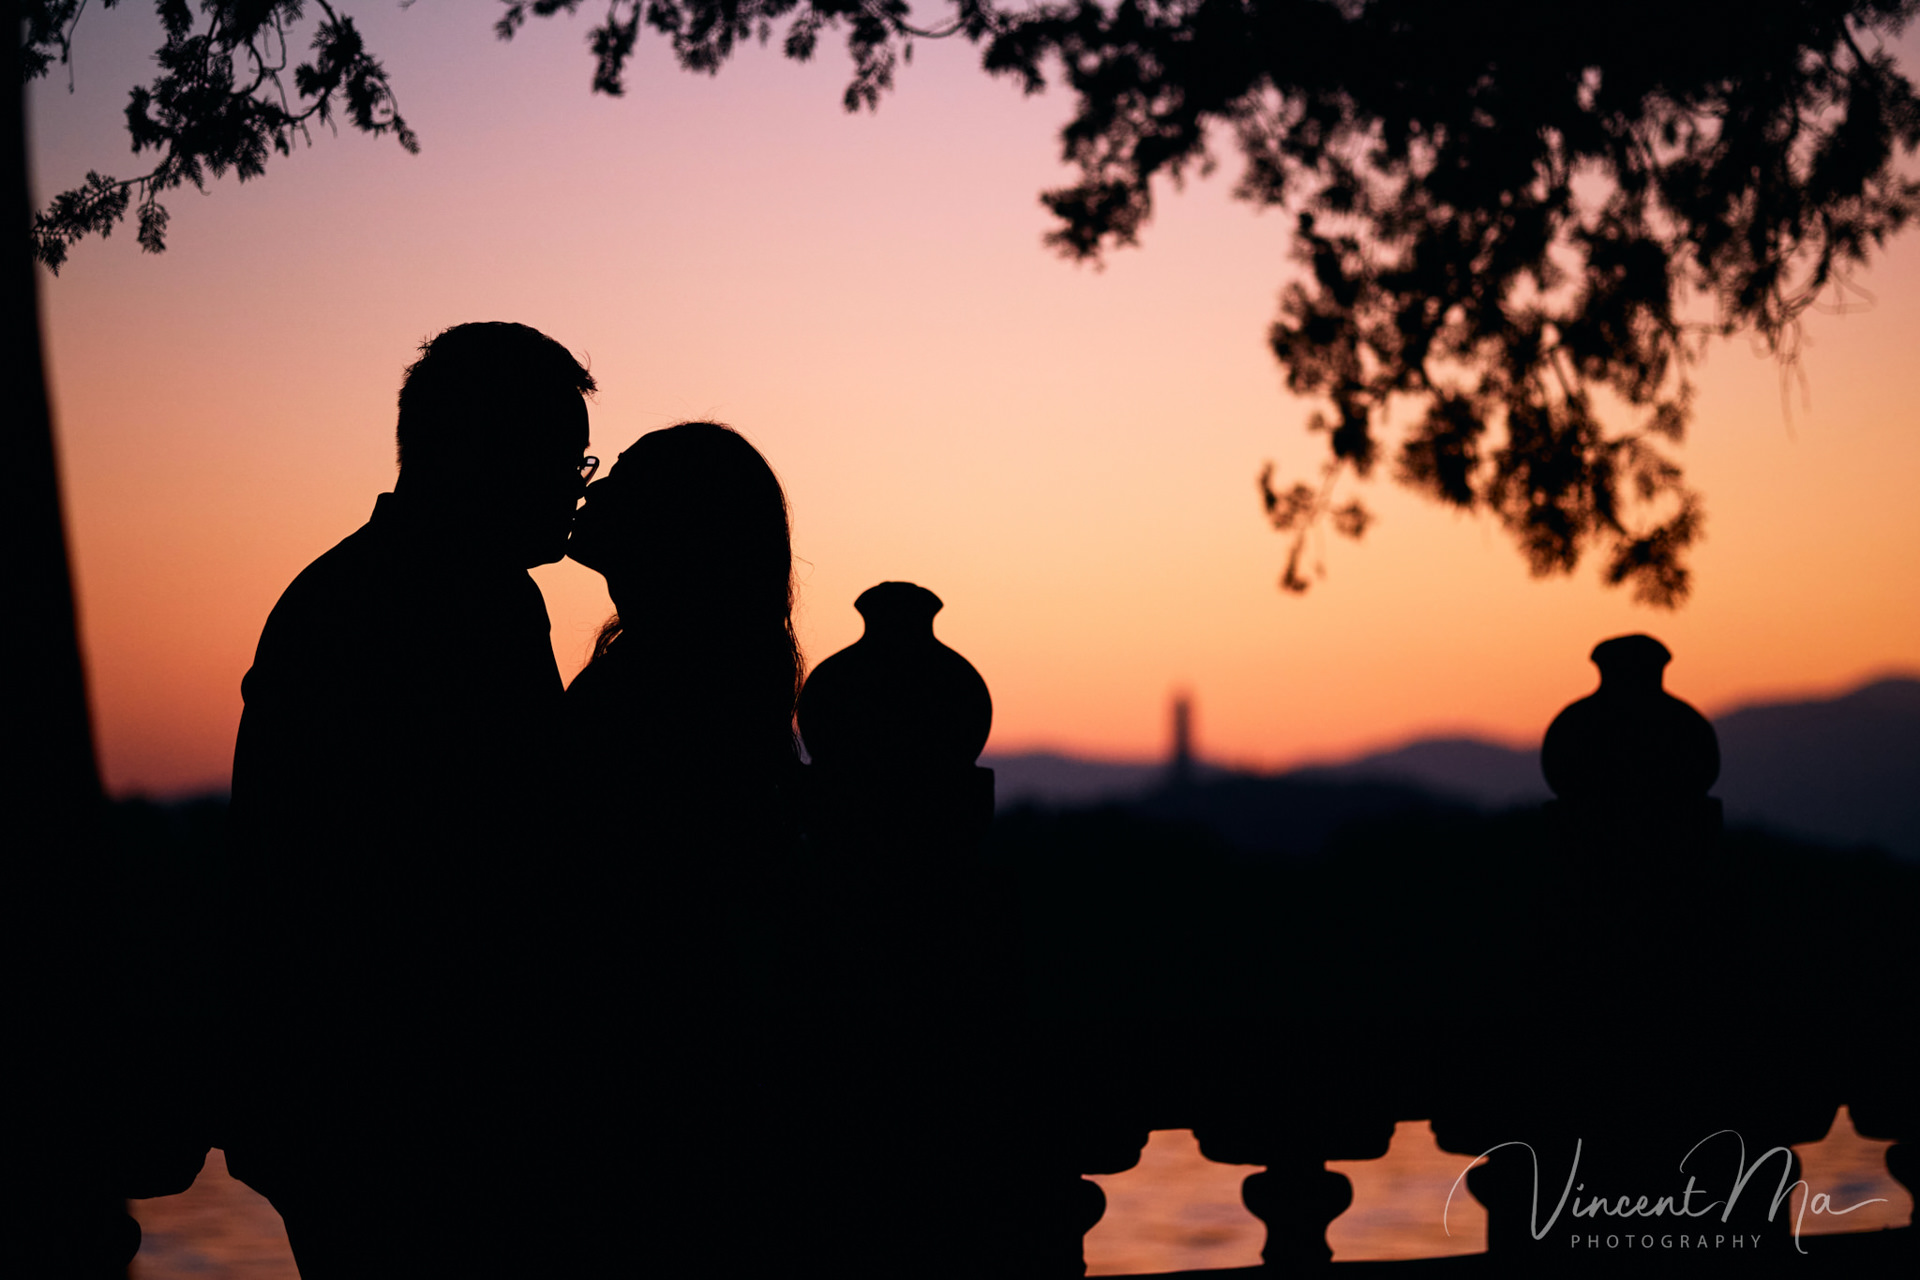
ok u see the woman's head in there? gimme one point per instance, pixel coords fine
(690, 529)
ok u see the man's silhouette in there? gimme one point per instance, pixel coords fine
(393, 816)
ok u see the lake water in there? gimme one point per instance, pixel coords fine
(1174, 1211)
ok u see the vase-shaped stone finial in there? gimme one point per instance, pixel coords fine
(896, 700)
(1630, 741)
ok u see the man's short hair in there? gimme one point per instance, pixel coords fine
(475, 386)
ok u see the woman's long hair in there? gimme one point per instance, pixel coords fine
(708, 529)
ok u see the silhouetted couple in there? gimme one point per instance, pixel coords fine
(494, 941)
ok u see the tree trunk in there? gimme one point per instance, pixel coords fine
(48, 726)
(69, 1219)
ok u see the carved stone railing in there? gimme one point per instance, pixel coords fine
(1621, 1000)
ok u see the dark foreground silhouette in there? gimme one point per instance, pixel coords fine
(680, 749)
(396, 800)
(1478, 970)
(522, 982)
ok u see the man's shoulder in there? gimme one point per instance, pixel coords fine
(347, 611)
(351, 579)
(388, 598)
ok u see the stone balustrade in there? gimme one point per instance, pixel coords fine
(1608, 979)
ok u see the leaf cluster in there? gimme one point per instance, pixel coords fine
(1508, 214)
(705, 33)
(219, 103)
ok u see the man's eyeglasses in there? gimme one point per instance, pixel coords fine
(588, 466)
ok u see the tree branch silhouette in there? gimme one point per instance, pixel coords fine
(1522, 221)
(200, 117)
(1507, 213)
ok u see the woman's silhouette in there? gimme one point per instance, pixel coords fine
(689, 698)
(682, 746)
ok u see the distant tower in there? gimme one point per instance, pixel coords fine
(1180, 769)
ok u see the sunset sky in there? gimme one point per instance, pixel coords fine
(1066, 456)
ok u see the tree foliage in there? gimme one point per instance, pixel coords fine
(705, 33)
(1518, 223)
(1521, 219)
(219, 102)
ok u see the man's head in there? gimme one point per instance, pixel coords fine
(493, 423)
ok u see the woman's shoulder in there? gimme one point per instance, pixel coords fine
(610, 683)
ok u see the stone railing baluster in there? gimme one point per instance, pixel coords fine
(912, 951)
(1648, 1022)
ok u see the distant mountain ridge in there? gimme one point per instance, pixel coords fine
(1842, 770)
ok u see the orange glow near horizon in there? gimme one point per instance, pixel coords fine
(1066, 456)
